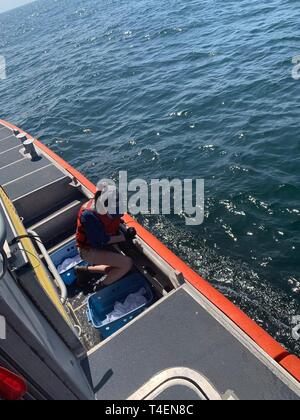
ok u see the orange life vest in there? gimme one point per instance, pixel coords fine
(111, 226)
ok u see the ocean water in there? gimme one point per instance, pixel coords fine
(198, 89)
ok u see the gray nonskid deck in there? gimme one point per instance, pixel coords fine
(37, 187)
(4, 131)
(22, 168)
(10, 156)
(179, 332)
(30, 183)
(7, 143)
(19, 174)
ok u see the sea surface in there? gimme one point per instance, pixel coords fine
(200, 89)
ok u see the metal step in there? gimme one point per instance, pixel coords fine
(60, 224)
(43, 201)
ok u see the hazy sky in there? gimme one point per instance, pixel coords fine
(11, 4)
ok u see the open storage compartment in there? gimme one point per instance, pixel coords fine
(65, 260)
(102, 303)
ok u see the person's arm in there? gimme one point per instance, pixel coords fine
(117, 239)
(94, 230)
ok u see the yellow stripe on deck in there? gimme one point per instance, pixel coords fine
(32, 256)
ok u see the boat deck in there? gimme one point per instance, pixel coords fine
(197, 341)
(20, 176)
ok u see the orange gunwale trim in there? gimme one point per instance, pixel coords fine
(292, 365)
(247, 325)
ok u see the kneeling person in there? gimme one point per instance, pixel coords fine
(96, 229)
